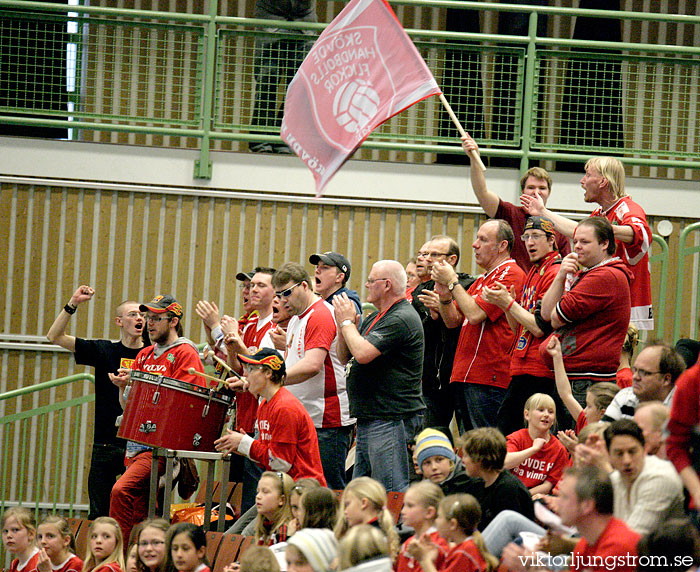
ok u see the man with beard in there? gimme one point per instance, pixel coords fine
(107, 357)
(171, 355)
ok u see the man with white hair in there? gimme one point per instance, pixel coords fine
(384, 381)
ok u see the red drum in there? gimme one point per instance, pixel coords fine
(173, 414)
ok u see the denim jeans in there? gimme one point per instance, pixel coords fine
(106, 465)
(478, 403)
(382, 451)
(505, 528)
(334, 444)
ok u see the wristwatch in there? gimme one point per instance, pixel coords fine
(346, 323)
(452, 286)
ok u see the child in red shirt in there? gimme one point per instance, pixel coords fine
(420, 505)
(57, 543)
(598, 397)
(534, 455)
(456, 522)
(19, 538)
(187, 548)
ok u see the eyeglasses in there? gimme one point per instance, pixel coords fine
(433, 254)
(287, 292)
(157, 319)
(373, 280)
(248, 367)
(643, 372)
(533, 236)
(132, 315)
(154, 543)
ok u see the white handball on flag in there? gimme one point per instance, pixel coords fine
(355, 104)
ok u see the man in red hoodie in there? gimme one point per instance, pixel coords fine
(588, 305)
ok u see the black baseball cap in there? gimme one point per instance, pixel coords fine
(161, 304)
(332, 259)
(267, 357)
(243, 276)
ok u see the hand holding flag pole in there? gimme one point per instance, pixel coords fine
(473, 154)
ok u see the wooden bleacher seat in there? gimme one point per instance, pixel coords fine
(81, 539)
(213, 542)
(394, 502)
(74, 524)
(228, 551)
(247, 541)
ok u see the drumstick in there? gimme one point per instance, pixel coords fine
(193, 371)
(213, 355)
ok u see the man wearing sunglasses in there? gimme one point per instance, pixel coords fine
(315, 375)
(106, 357)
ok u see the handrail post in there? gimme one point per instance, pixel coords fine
(203, 166)
(683, 251)
(528, 103)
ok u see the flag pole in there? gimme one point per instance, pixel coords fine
(473, 154)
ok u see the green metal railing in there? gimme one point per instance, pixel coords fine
(45, 435)
(685, 252)
(200, 76)
(660, 258)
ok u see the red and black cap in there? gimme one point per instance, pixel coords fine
(267, 357)
(161, 304)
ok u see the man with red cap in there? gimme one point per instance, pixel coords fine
(287, 438)
(171, 355)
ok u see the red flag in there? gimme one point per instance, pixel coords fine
(362, 70)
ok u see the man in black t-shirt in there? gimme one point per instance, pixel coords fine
(384, 382)
(106, 357)
(440, 341)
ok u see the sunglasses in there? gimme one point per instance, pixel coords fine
(288, 292)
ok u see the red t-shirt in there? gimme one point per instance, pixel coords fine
(615, 549)
(29, 566)
(288, 434)
(464, 557)
(526, 359)
(547, 464)
(173, 362)
(246, 403)
(625, 212)
(624, 377)
(483, 350)
(596, 314)
(108, 567)
(581, 421)
(517, 217)
(73, 564)
(685, 416)
(406, 563)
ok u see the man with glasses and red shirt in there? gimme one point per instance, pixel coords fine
(315, 375)
(171, 355)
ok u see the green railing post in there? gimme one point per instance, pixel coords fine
(203, 166)
(660, 310)
(683, 251)
(528, 100)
